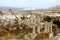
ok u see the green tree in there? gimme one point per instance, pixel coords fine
(47, 18)
(57, 22)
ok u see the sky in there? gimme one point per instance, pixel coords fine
(29, 3)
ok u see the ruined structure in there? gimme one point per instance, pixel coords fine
(33, 19)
